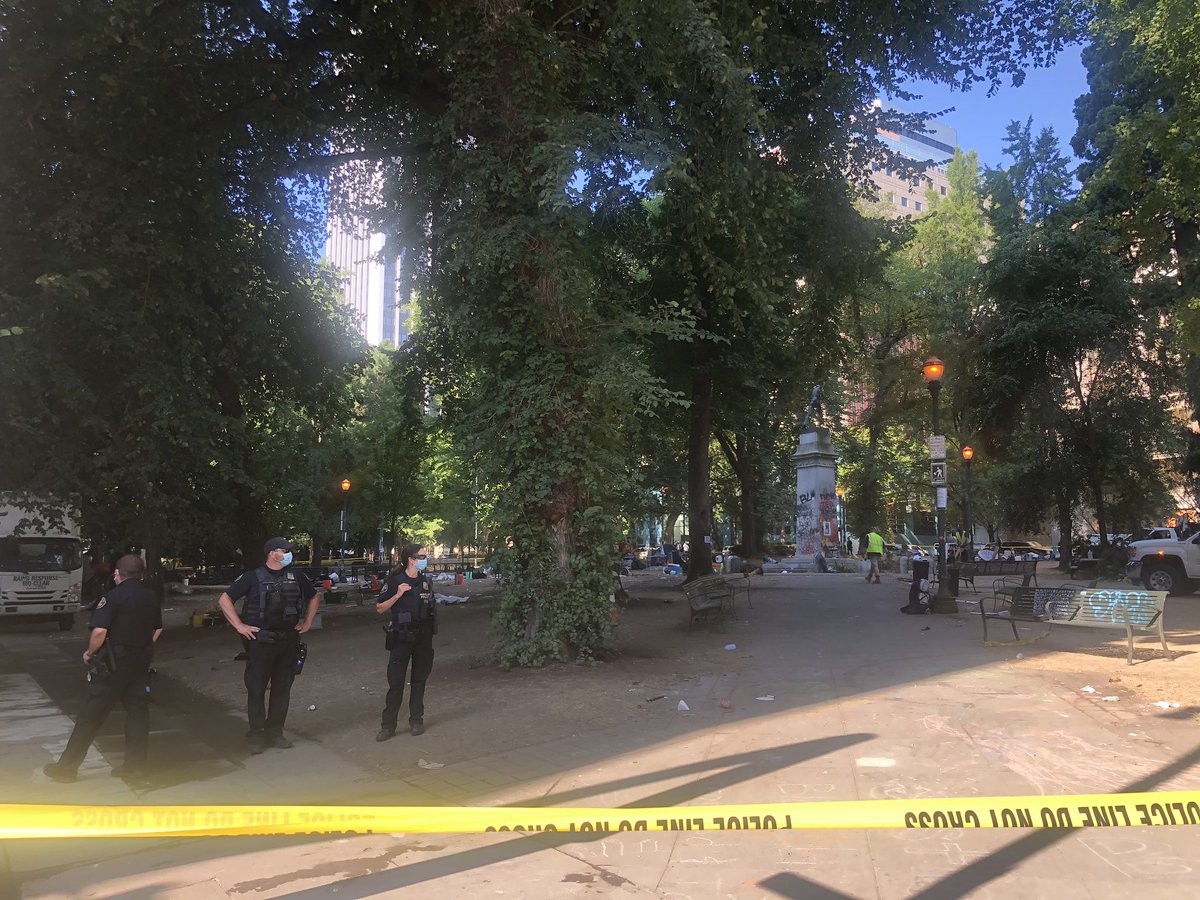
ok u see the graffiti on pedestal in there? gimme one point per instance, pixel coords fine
(816, 522)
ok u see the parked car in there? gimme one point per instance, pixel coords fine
(1094, 539)
(1024, 548)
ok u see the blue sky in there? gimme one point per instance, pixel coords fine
(1047, 94)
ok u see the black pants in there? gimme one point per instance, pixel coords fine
(420, 651)
(270, 665)
(127, 684)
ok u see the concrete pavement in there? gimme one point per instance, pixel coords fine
(868, 704)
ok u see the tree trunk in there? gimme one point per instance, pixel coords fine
(1101, 513)
(699, 492)
(247, 517)
(152, 546)
(742, 460)
(1065, 549)
(867, 501)
(752, 535)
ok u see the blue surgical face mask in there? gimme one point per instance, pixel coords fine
(421, 563)
(287, 558)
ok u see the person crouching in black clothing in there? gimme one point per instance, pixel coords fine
(125, 624)
(279, 607)
(408, 598)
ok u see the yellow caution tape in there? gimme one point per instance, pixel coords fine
(1066, 811)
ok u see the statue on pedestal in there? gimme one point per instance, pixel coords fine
(814, 407)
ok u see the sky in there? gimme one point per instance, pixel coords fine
(1047, 94)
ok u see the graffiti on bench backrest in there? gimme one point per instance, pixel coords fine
(1111, 605)
(1053, 602)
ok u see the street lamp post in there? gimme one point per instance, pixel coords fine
(968, 454)
(345, 500)
(933, 370)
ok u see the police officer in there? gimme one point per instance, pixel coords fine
(125, 624)
(279, 607)
(408, 598)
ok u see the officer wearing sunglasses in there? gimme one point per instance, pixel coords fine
(408, 599)
(279, 605)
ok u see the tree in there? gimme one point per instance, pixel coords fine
(509, 140)
(925, 304)
(1037, 185)
(1071, 352)
(159, 267)
(1139, 129)
(1138, 134)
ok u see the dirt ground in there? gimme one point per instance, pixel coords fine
(473, 707)
(1097, 657)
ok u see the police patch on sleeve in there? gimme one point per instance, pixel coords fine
(100, 605)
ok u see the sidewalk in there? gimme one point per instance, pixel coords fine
(868, 704)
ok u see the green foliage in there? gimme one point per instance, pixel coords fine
(1139, 139)
(1073, 356)
(925, 303)
(157, 262)
(1036, 185)
(163, 164)
(883, 471)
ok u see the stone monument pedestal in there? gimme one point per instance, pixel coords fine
(816, 495)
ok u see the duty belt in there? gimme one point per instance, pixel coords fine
(268, 636)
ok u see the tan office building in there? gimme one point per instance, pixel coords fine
(907, 194)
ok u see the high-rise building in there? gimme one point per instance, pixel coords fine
(371, 280)
(907, 194)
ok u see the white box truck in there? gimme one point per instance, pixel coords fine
(41, 563)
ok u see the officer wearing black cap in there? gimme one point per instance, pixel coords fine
(279, 607)
(125, 624)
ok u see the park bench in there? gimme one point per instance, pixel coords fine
(1085, 568)
(1088, 608)
(709, 594)
(1026, 568)
(356, 591)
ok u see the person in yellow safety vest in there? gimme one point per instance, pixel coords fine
(874, 554)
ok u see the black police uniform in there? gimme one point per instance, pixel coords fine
(275, 602)
(132, 613)
(413, 625)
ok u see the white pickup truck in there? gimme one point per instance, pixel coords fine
(1166, 564)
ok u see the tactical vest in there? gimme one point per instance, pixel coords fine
(277, 602)
(420, 607)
